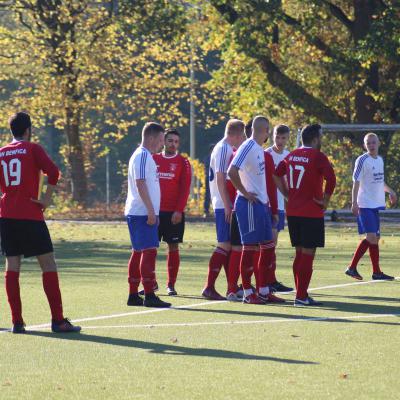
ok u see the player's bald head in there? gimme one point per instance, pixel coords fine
(260, 123)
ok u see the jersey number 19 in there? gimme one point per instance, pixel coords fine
(12, 172)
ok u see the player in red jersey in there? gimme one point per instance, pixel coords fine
(175, 176)
(306, 169)
(22, 226)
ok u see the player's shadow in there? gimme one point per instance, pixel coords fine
(328, 306)
(167, 349)
(366, 298)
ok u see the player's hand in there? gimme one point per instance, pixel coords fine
(323, 203)
(176, 218)
(228, 214)
(355, 209)
(251, 197)
(43, 203)
(151, 219)
(392, 198)
(275, 220)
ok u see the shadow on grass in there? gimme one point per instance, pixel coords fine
(160, 348)
(354, 308)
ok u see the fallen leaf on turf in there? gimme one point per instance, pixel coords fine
(343, 376)
(6, 384)
(174, 340)
(294, 336)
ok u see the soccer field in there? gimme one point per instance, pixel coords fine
(200, 349)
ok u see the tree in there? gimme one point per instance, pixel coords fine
(92, 71)
(335, 62)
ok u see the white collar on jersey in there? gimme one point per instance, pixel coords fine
(305, 147)
(165, 156)
(16, 141)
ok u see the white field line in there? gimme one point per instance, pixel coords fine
(149, 311)
(252, 322)
(102, 317)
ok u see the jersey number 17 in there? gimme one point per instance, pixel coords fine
(292, 178)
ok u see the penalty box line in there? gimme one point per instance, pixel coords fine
(120, 315)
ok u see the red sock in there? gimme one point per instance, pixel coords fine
(305, 269)
(374, 255)
(361, 249)
(134, 272)
(296, 263)
(14, 299)
(173, 261)
(51, 287)
(272, 277)
(148, 270)
(226, 267)
(264, 264)
(217, 260)
(256, 259)
(234, 270)
(247, 265)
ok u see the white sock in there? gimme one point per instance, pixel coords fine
(264, 290)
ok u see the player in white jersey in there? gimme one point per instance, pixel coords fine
(141, 210)
(247, 173)
(219, 162)
(279, 152)
(368, 197)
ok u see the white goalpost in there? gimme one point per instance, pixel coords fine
(359, 128)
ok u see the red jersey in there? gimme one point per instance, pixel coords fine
(175, 176)
(306, 169)
(271, 187)
(21, 163)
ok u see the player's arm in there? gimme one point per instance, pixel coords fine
(392, 194)
(234, 176)
(279, 179)
(271, 187)
(330, 180)
(354, 194)
(144, 195)
(184, 190)
(138, 169)
(223, 191)
(50, 169)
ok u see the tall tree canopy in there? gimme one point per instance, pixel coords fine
(334, 61)
(93, 71)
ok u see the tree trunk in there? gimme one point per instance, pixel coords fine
(76, 159)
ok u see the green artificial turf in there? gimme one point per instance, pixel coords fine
(217, 350)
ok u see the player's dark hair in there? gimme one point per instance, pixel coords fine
(309, 133)
(171, 131)
(247, 128)
(281, 129)
(152, 129)
(19, 123)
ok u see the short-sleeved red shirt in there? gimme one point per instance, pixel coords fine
(21, 163)
(306, 169)
(175, 175)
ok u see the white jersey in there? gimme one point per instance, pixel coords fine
(278, 157)
(249, 159)
(219, 162)
(142, 166)
(370, 173)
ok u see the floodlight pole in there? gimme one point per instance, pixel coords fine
(192, 110)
